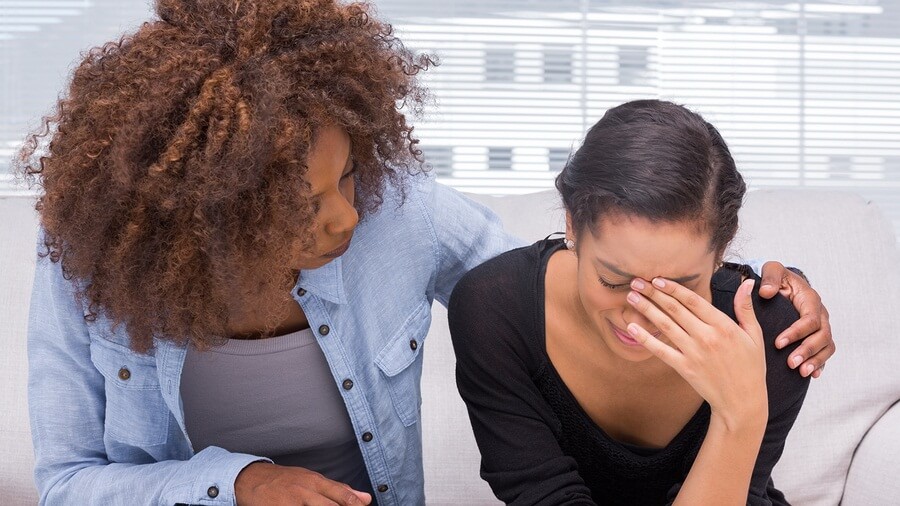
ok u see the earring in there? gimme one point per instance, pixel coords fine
(570, 244)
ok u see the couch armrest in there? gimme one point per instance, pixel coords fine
(872, 479)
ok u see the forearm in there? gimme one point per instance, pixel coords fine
(207, 478)
(722, 470)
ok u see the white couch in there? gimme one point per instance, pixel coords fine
(845, 446)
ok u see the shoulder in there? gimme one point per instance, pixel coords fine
(507, 277)
(438, 202)
(786, 386)
(496, 303)
(774, 315)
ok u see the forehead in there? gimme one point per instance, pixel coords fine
(643, 248)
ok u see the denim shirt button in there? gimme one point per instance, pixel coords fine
(213, 491)
(347, 384)
(367, 436)
(301, 292)
(124, 374)
(413, 345)
(382, 488)
(324, 330)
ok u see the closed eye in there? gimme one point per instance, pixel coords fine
(613, 286)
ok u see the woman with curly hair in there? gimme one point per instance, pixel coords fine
(239, 258)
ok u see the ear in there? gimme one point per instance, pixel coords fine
(570, 229)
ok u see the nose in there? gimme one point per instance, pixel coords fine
(344, 217)
(632, 315)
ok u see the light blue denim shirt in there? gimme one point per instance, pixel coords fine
(108, 424)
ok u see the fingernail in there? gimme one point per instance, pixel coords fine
(796, 360)
(748, 285)
(782, 342)
(809, 369)
(659, 282)
(632, 329)
(633, 297)
(637, 284)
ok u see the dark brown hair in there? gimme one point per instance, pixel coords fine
(176, 159)
(656, 160)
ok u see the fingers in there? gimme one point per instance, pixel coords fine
(661, 350)
(743, 309)
(267, 483)
(813, 318)
(309, 498)
(813, 329)
(660, 320)
(339, 493)
(812, 354)
(686, 307)
(773, 276)
(816, 364)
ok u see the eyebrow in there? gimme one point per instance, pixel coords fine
(617, 271)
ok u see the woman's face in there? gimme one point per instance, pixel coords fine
(330, 176)
(623, 248)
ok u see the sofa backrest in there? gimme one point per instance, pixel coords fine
(844, 243)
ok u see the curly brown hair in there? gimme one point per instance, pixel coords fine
(176, 160)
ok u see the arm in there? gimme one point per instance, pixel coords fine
(465, 234)
(67, 404)
(513, 425)
(726, 364)
(67, 410)
(786, 393)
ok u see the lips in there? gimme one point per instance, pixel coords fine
(339, 251)
(626, 338)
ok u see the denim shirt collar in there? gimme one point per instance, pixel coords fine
(326, 282)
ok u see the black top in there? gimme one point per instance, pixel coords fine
(538, 446)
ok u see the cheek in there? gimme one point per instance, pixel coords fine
(348, 189)
(597, 298)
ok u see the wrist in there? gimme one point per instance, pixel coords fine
(748, 424)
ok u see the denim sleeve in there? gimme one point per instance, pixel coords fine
(67, 408)
(466, 233)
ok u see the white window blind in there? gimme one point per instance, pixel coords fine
(40, 41)
(806, 93)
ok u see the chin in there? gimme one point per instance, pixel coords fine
(636, 356)
(308, 264)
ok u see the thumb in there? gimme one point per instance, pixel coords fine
(743, 308)
(772, 275)
(365, 497)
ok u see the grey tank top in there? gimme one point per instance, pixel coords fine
(274, 398)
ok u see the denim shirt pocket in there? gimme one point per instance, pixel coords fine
(135, 410)
(400, 361)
